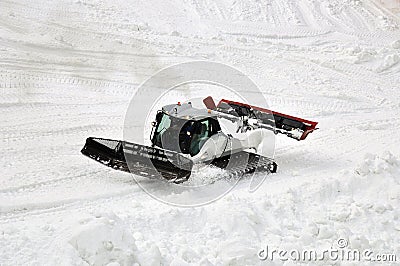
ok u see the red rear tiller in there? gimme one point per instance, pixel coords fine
(294, 127)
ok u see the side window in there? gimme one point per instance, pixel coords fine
(199, 137)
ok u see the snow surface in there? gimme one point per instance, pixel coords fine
(69, 68)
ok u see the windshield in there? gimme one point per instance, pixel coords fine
(172, 133)
(185, 136)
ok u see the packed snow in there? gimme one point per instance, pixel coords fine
(69, 69)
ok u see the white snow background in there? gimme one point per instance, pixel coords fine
(69, 67)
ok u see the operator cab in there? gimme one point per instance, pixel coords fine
(184, 134)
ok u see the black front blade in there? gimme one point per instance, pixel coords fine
(171, 165)
(139, 159)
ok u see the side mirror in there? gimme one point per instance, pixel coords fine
(153, 124)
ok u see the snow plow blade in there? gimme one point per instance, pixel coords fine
(293, 127)
(139, 159)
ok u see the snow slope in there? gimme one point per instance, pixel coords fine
(69, 68)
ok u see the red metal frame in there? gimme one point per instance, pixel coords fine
(310, 125)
